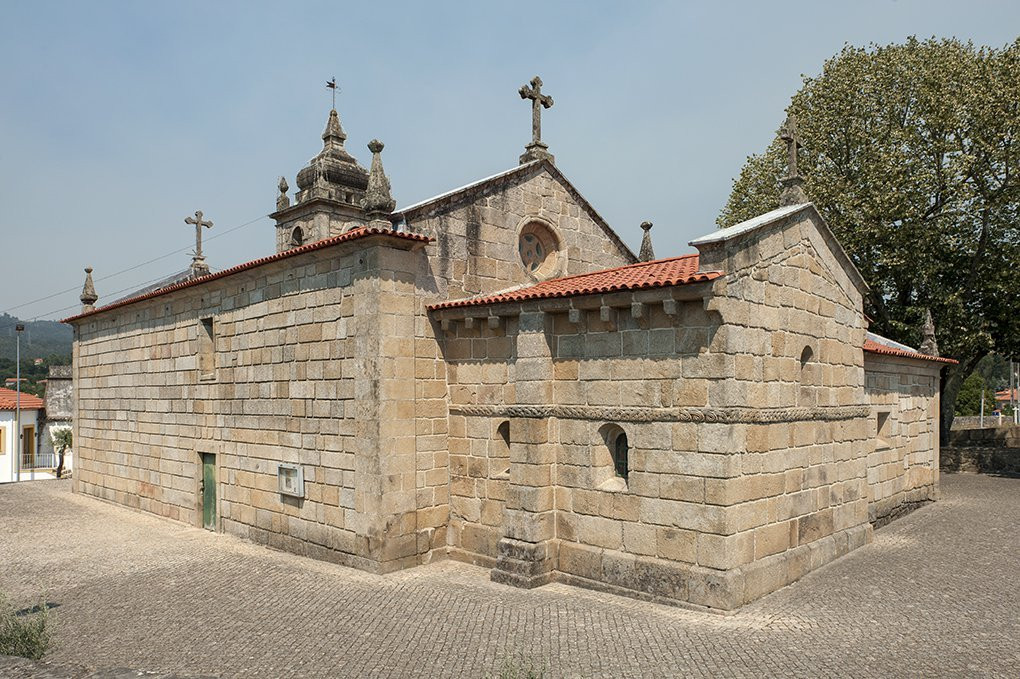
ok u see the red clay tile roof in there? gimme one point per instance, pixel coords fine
(8, 399)
(353, 234)
(659, 273)
(874, 347)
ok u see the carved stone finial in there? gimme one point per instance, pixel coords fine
(88, 292)
(537, 149)
(647, 254)
(282, 201)
(793, 184)
(334, 132)
(378, 203)
(929, 346)
(198, 265)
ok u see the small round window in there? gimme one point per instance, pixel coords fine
(537, 247)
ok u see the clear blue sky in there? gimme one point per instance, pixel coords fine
(119, 119)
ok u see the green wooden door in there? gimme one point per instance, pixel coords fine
(209, 491)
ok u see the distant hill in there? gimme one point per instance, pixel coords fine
(39, 339)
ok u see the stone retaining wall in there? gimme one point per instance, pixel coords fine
(981, 459)
(1003, 437)
(976, 422)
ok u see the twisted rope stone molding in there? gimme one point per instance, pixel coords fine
(643, 414)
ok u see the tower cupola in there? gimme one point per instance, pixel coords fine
(330, 191)
(334, 173)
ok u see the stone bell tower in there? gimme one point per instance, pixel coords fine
(328, 200)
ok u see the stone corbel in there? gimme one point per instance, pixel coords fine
(607, 315)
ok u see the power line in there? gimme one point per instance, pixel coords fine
(131, 268)
(136, 286)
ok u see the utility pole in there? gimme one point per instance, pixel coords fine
(981, 422)
(19, 328)
(1012, 390)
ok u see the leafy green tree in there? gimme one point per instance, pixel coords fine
(994, 368)
(968, 401)
(912, 155)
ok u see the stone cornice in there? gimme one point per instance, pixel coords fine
(647, 414)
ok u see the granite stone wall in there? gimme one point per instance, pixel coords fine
(993, 450)
(476, 232)
(328, 360)
(461, 495)
(303, 373)
(748, 455)
(903, 463)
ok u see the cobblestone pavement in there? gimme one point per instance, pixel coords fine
(936, 594)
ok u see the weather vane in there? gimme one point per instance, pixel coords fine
(331, 84)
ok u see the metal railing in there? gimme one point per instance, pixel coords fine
(38, 460)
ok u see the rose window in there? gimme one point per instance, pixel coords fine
(538, 250)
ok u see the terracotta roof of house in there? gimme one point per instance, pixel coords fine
(9, 397)
(659, 273)
(1004, 395)
(873, 347)
(354, 234)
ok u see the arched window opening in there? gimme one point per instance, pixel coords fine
(806, 356)
(502, 451)
(621, 451)
(297, 236)
(612, 460)
(808, 378)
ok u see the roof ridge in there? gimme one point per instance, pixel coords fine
(506, 174)
(470, 185)
(252, 264)
(873, 347)
(615, 268)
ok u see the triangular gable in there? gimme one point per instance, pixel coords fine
(459, 196)
(762, 222)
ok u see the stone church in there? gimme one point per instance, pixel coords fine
(492, 375)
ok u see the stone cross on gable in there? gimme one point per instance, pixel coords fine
(198, 261)
(788, 133)
(536, 149)
(793, 184)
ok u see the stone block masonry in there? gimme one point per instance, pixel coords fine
(495, 380)
(903, 465)
(305, 373)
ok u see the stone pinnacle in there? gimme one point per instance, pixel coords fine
(88, 292)
(378, 203)
(647, 254)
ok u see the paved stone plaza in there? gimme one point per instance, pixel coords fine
(936, 594)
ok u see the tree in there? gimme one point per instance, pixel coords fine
(62, 440)
(968, 401)
(912, 155)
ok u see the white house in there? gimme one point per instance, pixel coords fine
(31, 407)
